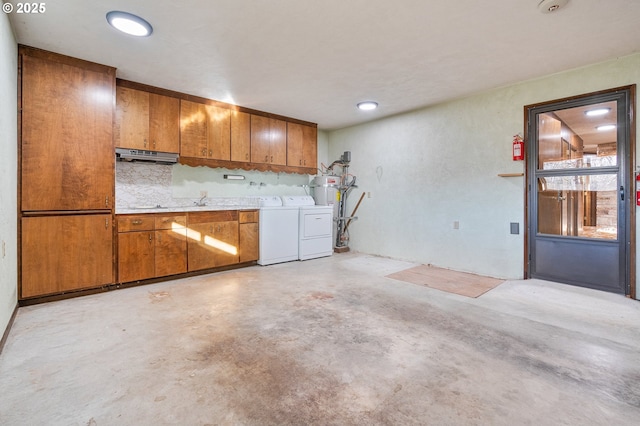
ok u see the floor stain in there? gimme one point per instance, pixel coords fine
(319, 295)
(158, 296)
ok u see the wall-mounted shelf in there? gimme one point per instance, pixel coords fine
(510, 174)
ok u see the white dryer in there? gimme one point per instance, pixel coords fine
(278, 231)
(315, 227)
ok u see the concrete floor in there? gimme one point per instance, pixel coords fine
(329, 341)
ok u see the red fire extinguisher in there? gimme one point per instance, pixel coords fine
(518, 148)
(638, 189)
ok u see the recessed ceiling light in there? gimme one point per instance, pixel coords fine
(548, 6)
(606, 127)
(596, 112)
(367, 105)
(129, 23)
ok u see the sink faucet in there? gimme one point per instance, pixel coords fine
(201, 202)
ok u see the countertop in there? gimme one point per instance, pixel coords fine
(180, 209)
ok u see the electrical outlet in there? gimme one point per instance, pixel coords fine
(369, 195)
(456, 224)
(203, 194)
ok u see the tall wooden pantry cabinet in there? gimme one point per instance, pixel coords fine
(66, 155)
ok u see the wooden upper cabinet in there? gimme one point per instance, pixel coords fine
(268, 140)
(219, 126)
(240, 136)
(193, 129)
(132, 119)
(67, 159)
(164, 123)
(147, 121)
(205, 131)
(302, 145)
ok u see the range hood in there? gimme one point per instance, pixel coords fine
(126, 154)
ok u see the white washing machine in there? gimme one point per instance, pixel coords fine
(279, 232)
(315, 224)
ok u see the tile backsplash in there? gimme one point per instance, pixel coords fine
(147, 184)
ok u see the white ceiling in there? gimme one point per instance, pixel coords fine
(314, 60)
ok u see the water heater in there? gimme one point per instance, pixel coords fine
(325, 189)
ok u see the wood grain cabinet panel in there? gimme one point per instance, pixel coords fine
(147, 121)
(212, 239)
(302, 145)
(136, 256)
(248, 229)
(65, 253)
(205, 131)
(67, 160)
(249, 242)
(164, 123)
(240, 136)
(170, 252)
(212, 244)
(268, 140)
(151, 246)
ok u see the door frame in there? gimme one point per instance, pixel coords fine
(629, 173)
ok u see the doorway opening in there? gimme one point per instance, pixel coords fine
(580, 211)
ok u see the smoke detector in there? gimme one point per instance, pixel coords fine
(548, 6)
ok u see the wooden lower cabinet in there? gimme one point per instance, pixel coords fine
(170, 252)
(212, 239)
(248, 229)
(65, 253)
(151, 246)
(135, 256)
(157, 245)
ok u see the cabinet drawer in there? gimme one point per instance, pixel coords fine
(135, 223)
(212, 216)
(249, 216)
(171, 222)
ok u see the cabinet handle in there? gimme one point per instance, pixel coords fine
(154, 144)
(136, 222)
(210, 153)
(272, 158)
(106, 201)
(150, 237)
(145, 143)
(106, 224)
(159, 238)
(246, 156)
(266, 158)
(301, 162)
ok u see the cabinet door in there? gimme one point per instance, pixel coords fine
(294, 144)
(278, 143)
(132, 119)
(249, 247)
(170, 252)
(240, 136)
(260, 139)
(63, 253)
(67, 136)
(219, 133)
(135, 256)
(301, 145)
(164, 123)
(212, 244)
(309, 146)
(201, 254)
(225, 242)
(193, 129)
